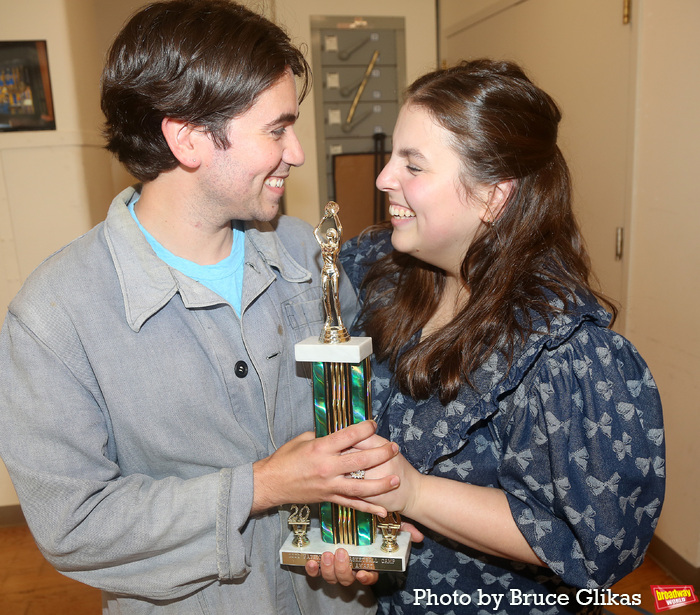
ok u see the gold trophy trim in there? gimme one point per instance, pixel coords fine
(299, 522)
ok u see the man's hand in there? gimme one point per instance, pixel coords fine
(336, 568)
(309, 469)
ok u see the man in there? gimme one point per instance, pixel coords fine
(148, 379)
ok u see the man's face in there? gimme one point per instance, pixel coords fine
(246, 181)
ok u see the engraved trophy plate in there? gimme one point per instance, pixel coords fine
(341, 374)
(366, 558)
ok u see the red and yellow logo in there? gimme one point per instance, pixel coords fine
(673, 596)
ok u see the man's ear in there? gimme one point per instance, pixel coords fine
(496, 198)
(183, 140)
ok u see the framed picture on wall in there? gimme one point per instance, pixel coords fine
(26, 102)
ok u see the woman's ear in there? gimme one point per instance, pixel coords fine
(495, 199)
(183, 140)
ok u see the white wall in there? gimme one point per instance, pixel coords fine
(453, 14)
(664, 281)
(54, 185)
(42, 175)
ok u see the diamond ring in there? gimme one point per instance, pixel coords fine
(357, 474)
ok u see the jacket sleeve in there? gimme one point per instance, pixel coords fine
(583, 458)
(133, 535)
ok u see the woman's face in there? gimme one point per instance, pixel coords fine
(432, 216)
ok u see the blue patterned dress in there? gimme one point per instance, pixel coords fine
(573, 435)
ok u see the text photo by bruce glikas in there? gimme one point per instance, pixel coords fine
(514, 597)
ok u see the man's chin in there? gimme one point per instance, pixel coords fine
(268, 213)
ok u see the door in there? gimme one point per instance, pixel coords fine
(582, 54)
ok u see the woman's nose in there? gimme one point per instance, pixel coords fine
(386, 180)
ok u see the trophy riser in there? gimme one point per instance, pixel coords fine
(370, 557)
(347, 526)
(341, 389)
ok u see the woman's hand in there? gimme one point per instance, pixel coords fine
(476, 516)
(309, 469)
(403, 498)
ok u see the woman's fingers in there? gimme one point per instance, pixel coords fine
(370, 442)
(364, 460)
(361, 505)
(318, 469)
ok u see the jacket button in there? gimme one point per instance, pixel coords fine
(241, 369)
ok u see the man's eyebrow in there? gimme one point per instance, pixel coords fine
(411, 152)
(285, 118)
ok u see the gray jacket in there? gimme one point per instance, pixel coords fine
(133, 403)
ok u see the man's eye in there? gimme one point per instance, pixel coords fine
(278, 132)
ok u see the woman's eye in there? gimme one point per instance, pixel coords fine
(412, 169)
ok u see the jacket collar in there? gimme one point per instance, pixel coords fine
(148, 284)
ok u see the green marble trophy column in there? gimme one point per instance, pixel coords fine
(342, 398)
(341, 373)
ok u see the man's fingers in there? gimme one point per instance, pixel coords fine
(364, 459)
(416, 534)
(327, 568)
(351, 435)
(333, 568)
(337, 568)
(343, 568)
(312, 568)
(367, 577)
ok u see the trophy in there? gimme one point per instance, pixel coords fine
(340, 367)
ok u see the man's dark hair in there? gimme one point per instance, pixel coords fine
(199, 61)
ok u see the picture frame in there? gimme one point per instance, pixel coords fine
(26, 100)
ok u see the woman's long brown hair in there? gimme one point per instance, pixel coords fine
(503, 128)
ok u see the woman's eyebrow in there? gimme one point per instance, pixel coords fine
(412, 152)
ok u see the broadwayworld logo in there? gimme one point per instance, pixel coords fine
(673, 596)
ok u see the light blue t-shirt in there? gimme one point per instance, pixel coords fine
(225, 278)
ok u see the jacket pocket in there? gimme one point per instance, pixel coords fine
(304, 314)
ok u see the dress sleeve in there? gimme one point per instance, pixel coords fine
(359, 253)
(583, 457)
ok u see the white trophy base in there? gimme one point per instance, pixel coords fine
(370, 557)
(355, 350)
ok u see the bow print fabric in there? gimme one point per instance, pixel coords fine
(573, 435)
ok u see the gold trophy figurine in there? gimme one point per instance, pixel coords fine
(328, 233)
(341, 372)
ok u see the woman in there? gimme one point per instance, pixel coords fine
(531, 436)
